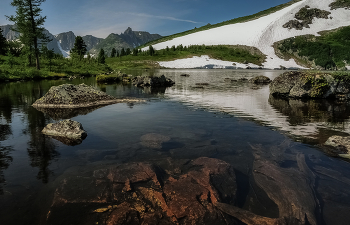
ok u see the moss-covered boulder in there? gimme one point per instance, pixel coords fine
(297, 84)
(65, 128)
(260, 80)
(76, 96)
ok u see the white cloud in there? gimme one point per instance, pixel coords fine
(160, 17)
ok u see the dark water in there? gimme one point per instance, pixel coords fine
(233, 121)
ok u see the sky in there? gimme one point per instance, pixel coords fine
(165, 17)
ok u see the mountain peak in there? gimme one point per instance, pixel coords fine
(128, 31)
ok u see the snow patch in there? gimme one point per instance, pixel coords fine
(265, 31)
(65, 54)
(203, 61)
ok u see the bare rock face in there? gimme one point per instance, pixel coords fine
(260, 80)
(75, 96)
(66, 128)
(341, 145)
(140, 193)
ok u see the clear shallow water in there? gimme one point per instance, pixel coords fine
(232, 121)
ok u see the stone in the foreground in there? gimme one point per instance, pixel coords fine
(76, 96)
(260, 80)
(341, 145)
(296, 84)
(65, 128)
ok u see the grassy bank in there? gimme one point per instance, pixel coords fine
(240, 54)
(17, 68)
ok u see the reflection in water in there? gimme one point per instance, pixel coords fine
(66, 113)
(41, 149)
(5, 161)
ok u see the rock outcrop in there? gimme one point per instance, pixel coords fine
(143, 81)
(260, 80)
(341, 145)
(298, 84)
(76, 96)
(305, 16)
(66, 128)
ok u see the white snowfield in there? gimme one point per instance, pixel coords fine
(260, 33)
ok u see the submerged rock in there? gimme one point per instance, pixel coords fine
(75, 96)
(260, 80)
(296, 84)
(65, 128)
(153, 140)
(162, 81)
(142, 193)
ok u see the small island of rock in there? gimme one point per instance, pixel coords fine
(76, 96)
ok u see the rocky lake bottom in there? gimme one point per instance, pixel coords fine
(209, 150)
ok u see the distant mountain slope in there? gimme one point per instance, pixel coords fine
(66, 40)
(128, 39)
(13, 35)
(265, 31)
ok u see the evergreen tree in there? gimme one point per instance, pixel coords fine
(128, 51)
(117, 53)
(151, 50)
(173, 48)
(113, 53)
(79, 48)
(3, 44)
(122, 52)
(101, 57)
(135, 51)
(167, 48)
(29, 23)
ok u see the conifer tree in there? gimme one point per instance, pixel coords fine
(135, 51)
(128, 51)
(117, 53)
(122, 52)
(113, 53)
(3, 44)
(101, 57)
(151, 50)
(30, 23)
(79, 48)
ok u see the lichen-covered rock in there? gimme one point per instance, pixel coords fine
(65, 128)
(162, 81)
(296, 84)
(75, 96)
(260, 80)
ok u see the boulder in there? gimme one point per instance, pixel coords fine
(260, 80)
(341, 145)
(76, 96)
(65, 128)
(143, 81)
(296, 84)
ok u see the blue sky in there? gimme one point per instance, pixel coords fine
(102, 17)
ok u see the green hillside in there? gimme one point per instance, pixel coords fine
(228, 22)
(331, 50)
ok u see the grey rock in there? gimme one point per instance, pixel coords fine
(76, 96)
(65, 128)
(144, 81)
(260, 80)
(341, 145)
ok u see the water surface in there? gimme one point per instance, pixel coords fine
(230, 120)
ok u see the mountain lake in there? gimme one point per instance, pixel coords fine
(208, 114)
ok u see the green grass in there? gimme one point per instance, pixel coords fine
(228, 22)
(239, 54)
(328, 51)
(59, 67)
